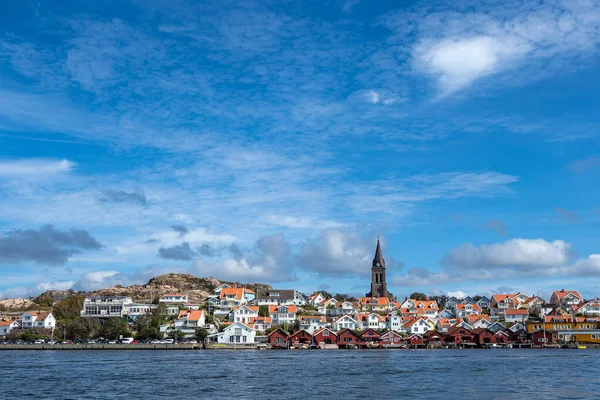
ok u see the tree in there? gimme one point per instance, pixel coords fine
(340, 296)
(69, 308)
(177, 335)
(418, 296)
(263, 311)
(476, 298)
(112, 328)
(201, 334)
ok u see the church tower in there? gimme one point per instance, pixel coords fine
(378, 283)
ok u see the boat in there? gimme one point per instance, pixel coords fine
(581, 347)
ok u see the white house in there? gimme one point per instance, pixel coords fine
(566, 299)
(243, 314)
(462, 310)
(260, 324)
(36, 319)
(190, 320)
(519, 315)
(7, 326)
(588, 308)
(234, 333)
(312, 323)
(372, 320)
(315, 298)
(273, 297)
(105, 306)
(174, 298)
(417, 325)
(134, 310)
(394, 322)
(502, 302)
(484, 303)
(229, 298)
(283, 314)
(345, 321)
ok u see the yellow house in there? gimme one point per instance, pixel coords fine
(568, 329)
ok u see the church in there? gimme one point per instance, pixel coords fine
(378, 283)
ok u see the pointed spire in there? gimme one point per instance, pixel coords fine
(378, 255)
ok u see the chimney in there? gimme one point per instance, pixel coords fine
(562, 290)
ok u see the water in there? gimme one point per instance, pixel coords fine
(306, 375)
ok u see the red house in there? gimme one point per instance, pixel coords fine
(502, 336)
(483, 336)
(519, 336)
(326, 336)
(433, 336)
(278, 338)
(542, 337)
(301, 337)
(391, 338)
(347, 337)
(414, 340)
(458, 335)
(370, 335)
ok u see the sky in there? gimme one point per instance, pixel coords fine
(275, 141)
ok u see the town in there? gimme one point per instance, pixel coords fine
(239, 317)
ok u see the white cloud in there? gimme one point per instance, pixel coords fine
(63, 285)
(300, 222)
(459, 294)
(586, 267)
(26, 168)
(268, 261)
(521, 253)
(337, 253)
(100, 280)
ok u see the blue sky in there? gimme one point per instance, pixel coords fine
(274, 141)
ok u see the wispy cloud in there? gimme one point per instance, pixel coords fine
(27, 168)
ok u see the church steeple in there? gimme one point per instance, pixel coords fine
(378, 261)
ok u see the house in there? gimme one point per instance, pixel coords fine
(278, 338)
(518, 336)
(468, 300)
(344, 308)
(451, 302)
(462, 310)
(284, 314)
(391, 338)
(274, 297)
(374, 304)
(315, 298)
(533, 302)
(134, 310)
(483, 336)
(260, 324)
(421, 308)
(416, 325)
(218, 289)
(371, 320)
(243, 313)
(189, 320)
(433, 336)
(229, 298)
(483, 303)
(502, 336)
(105, 306)
(478, 321)
(566, 299)
(587, 308)
(521, 298)
(343, 322)
(443, 324)
(446, 313)
(300, 337)
(38, 319)
(518, 315)
(174, 298)
(312, 323)
(6, 327)
(517, 326)
(542, 337)
(496, 326)
(328, 307)
(394, 322)
(235, 333)
(545, 309)
(347, 337)
(458, 335)
(502, 302)
(415, 340)
(325, 336)
(369, 335)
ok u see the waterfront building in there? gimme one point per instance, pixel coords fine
(433, 336)
(418, 325)
(189, 320)
(566, 299)
(458, 335)
(278, 338)
(273, 297)
(134, 310)
(301, 337)
(236, 333)
(391, 338)
(260, 324)
(105, 306)
(370, 320)
(370, 335)
(38, 319)
(347, 337)
(6, 327)
(378, 280)
(324, 336)
(483, 336)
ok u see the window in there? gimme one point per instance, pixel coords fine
(593, 336)
(244, 339)
(231, 339)
(325, 333)
(237, 339)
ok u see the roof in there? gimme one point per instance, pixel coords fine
(344, 316)
(518, 311)
(431, 304)
(240, 323)
(263, 293)
(238, 292)
(191, 315)
(323, 329)
(562, 293)
(253, 308)
(479, 331)
(7, 323)
(473, 306)
(290, 308)
(39, 315)
(379, 301)
(276, 331)
(363, 316)
(320, 318)
(501, 297)
(174, 294)
(260, 320)
(558, 318)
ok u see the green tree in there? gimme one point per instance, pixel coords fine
(80, 328)
(112, 328)
(177, 335)
(201, 334)
(69, 308)
(263, 311)
(418, 296)
(476, 298)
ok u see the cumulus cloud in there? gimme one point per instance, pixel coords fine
(268, 261)
(100, 280)
(182, 252)
(586, 267)
(182, 230)
(136, 197)
(459, 294)
(45, 246)
(521, 253)
(25, 168)
(337, 253)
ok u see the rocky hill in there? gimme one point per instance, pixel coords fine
(15, 304)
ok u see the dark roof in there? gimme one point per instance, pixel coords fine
(480, 330)
(263, 293)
